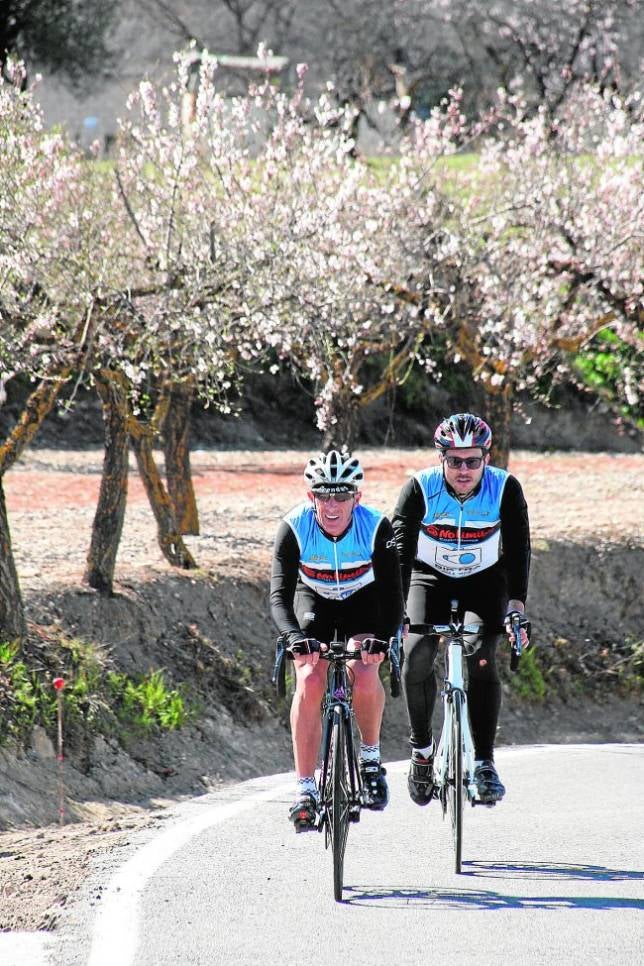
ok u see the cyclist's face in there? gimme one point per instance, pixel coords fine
(463, 479)
(333, 516)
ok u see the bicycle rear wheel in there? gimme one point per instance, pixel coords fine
(455, 779)
(339, 811)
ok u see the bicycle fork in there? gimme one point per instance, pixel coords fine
(454, 684)
(339, 710)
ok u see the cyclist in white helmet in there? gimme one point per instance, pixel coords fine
(462, 533)
(335, 571)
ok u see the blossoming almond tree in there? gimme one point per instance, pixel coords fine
(50, 247)
(546, 48)
(176, 179)
(68, 307)
(554, 250)
(332, 302)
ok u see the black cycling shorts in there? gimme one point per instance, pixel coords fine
(482, 596)
(329, 619)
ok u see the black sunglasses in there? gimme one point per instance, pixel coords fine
(342, 497)
(472, 462)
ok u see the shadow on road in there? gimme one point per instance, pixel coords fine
(550, 871)
(460, 899)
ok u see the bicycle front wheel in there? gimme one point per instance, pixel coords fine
(339, 812)
(455, 779)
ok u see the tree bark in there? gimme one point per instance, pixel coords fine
(12, 613)
(110, 510)
(38, 405)
(342, 428)
(170, 542)
(498, 413)
(176, 449)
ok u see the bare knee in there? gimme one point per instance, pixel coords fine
(309, 686)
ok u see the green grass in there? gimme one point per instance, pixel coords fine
(147, 704)
(528, 682)
(95, 697)
(630, 667)
(21, 697)
(601, 366)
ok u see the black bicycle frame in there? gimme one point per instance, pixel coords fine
(338, 695)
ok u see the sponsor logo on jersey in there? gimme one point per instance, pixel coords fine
(449, 532)
(460, 558)
(329, 576)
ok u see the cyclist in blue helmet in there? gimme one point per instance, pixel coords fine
(463, 534)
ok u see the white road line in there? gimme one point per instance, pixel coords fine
(116, 932)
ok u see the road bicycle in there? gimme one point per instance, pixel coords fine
(454, 760)
(341, 791)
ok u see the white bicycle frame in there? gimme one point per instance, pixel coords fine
(454, 681)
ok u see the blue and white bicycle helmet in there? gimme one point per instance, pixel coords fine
(463, 431)
(334, 472)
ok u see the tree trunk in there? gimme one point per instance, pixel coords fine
(342, 427)
(12, 612)
(170, 542)
(38, 405)
(498, 413)
(176, 449)
(110, 510)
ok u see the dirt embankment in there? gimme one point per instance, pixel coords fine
(209, 630)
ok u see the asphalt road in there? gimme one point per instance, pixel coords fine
(553, 875)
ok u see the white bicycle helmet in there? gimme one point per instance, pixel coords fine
(334, 472)
(463, 431)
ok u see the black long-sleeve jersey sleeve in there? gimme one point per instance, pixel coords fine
(386, 588)
(284, 575)
(515, 534)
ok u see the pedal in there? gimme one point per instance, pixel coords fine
(304, 827)
(304, 818)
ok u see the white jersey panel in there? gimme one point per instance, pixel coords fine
(335, 569)
(459, 539)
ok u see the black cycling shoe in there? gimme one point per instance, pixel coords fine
(420, 780)
(374, 785)
(488, 784)
(304, 814)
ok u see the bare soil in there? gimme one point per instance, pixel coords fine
(208, 627)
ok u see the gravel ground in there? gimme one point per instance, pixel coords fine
(573, 497)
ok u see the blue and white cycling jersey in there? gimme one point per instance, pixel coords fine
(459, 539)
(335, 569)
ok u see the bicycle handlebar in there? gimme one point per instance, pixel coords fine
(457, 631)
(340, 651)
(337, 651)
(514, 623)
